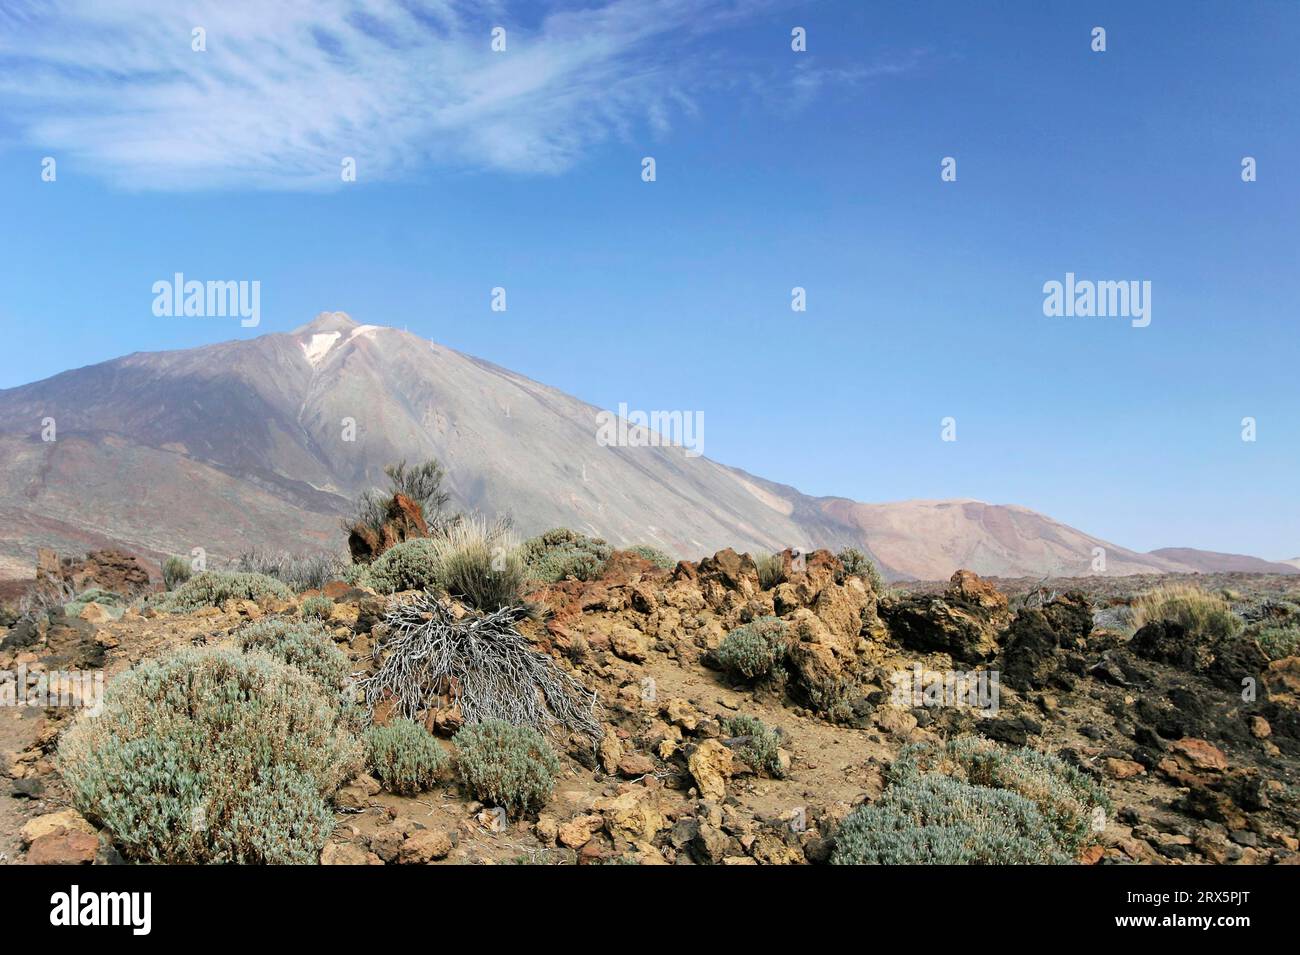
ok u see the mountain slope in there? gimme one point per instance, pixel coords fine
(263, 442)
(1210, 562)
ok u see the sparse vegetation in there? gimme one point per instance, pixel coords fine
(1207, 618)
(422, 483)
(113, 603)
(175, 571)
(771, 570)
(858, 564)
(761, 744)
(654, 555)
(505, 765)
(405, 756)
(212, 588)
(211, 756)
(562, 553)
(299, 571)
(754, 650)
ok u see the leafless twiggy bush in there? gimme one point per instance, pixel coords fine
(481, 662)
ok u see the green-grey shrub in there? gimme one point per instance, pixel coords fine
(304, 644)
(211, 756)
(654, 555)
(753, 650)
(212, 588)
(110, 601)
(1277, 640)
(858, 564)
(561, 553)
(318, 607)
(405, 756)
(1065, 797)
(175, 571)
(937, 820)
(508, 766)
(409, 565)
(761, 750)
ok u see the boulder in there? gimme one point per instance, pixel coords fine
(633, 816)
(63, 848)
(1030, 656)
(964, 622)
(711, 766)
(424, 846)
(55, 823)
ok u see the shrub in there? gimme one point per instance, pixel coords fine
(760, 749)
(1277, 640)
(422, 483)
(112, 602)
(771, 570)
(473, 561)
(212, 588)
(654, 555)
(489, 668)
(505, 765)
(175, 571)
(410, 565)
(936, 820)
(304, 644)
(480, 565)
(1207, 618)
(1065, 797)
(319, 607)
(299, 571)
(753, 650)
(562, 553)
(858, 564)
(211, 756)
(405, 756)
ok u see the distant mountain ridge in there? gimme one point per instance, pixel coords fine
(263, 442)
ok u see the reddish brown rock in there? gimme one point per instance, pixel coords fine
(403, 521)
(67, 847)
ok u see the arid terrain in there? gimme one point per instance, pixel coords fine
(263, 442)
(1195, 768)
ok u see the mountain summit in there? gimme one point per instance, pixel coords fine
(263, 442)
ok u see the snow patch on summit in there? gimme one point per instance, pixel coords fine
(319, 346)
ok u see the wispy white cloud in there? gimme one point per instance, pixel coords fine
(286, 89)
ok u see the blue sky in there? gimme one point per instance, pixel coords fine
(775, 169)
